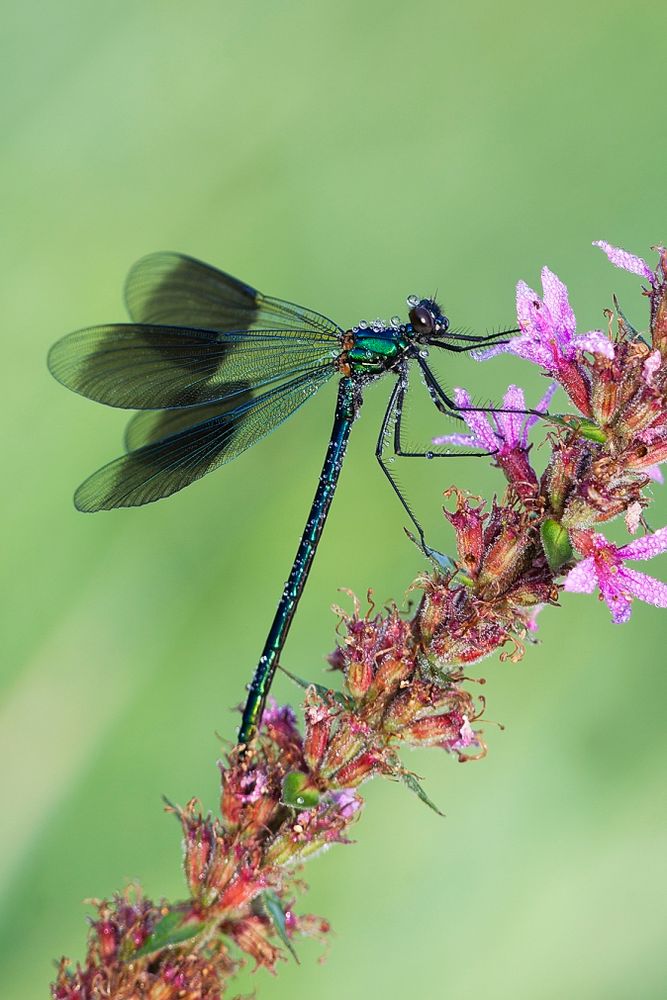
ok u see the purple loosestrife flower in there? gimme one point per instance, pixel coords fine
(548, 337)
(504, 434)
(626, 261)
(603, 567)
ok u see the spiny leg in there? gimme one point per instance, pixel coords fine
(447, 405)
(396, 403)
(394, 412)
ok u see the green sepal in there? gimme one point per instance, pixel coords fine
(635, 334)
(276, 915)
(298, 792)
(589, 429)
(323, 691)
(556, 544)
(169, 931)
(581, 425)
(409, 779)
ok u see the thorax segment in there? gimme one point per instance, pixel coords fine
(372, 350)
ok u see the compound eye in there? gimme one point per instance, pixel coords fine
(422, 320)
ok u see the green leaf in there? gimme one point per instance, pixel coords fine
(297, 791)
(409, 779)
(556, 544)
(276, 915)
(169, 931)
(323, 691)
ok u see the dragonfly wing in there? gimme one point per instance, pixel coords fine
(175, 290)
(137, 366)
(149, 426)
(166, 464)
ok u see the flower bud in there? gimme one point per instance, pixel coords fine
(319, 721)
(468, 522)
(358, 678)
(434, 729)
(503, 560)
(389, 677)
(357, 770)
(556, 544)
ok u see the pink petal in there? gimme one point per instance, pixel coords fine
(462, 397)
(489, 352)
(476, 421)
(646, 547)
(654, 472)
(645, 588)
(509, 424)
(651, 366)
(543, 404)
(597, 342)
(461, 440)
(541, 407)
(525, 301)
(620, 607)
(531, 348)
(514, 398)
(557, 302)
(583, 578)
(616, 596)
(625, 260)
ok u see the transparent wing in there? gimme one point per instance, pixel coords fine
(139, 367)
(149, 426)
(173, 458)
(175, 290)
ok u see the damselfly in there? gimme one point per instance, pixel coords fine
(213, 366)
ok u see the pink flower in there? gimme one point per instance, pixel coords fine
(501, 432)
(548, 329)
(347, 801)
(603, 567)
(504, 434)
(627, 261)
(651, 366)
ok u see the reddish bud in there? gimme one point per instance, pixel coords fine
(319, 720)
(389, 678)
(434, 729)
(571, 377)
(247, 884)
(107, 936)
(253, 936)
(504, 559)
(199, 840)
(359, 676)
(468, 523)
(359, 769)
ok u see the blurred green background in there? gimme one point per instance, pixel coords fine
(343, 155)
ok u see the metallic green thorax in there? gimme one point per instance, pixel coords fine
(376, 350)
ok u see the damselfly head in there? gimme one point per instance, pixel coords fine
(426, 319)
